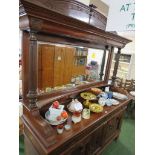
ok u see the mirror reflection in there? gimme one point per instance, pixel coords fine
(64, 66)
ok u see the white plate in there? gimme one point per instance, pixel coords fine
(119, 96)
(53, 122)
(112, 102)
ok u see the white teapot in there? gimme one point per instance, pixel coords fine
(75, 105)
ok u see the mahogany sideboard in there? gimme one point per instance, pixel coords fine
(87, 137)
(60, 21)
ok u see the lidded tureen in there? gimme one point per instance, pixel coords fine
(75, 105)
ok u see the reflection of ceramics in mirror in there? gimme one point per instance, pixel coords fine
(62, 67)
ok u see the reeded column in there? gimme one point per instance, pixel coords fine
(32, 94)
(103, 63)
(109, 62)
(116, 65)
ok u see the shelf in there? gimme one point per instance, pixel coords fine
(80, 55)
(58, 94)
(120, 71)
(122, 62)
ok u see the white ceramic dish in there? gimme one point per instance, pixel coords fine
(110, 102)
(119, 96)
(67, 127)
(53, 122)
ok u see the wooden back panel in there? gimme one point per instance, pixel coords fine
(69, 62)
(45, 66)
(56, 65)
(79, 70)
(59, 66)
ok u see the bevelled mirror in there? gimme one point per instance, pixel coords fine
(62, 67)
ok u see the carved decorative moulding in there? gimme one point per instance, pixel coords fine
(67, 18)
(72, 9)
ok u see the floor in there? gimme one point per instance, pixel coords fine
(125, 145)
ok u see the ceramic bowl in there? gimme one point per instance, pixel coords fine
(108, 102)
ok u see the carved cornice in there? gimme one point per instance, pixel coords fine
(41, 18)
(72, 9)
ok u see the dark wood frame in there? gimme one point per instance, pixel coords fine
(44, 21)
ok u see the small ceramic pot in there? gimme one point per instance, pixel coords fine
(76, 117)
(86, 113)
(60, 129)
(67, 127)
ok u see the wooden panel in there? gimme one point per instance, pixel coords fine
(81, 147)
(113, 126)
(59, 66)
(46, 69)
(69, 62)
(56, 66)
(97, 139)
(78, 70)
(29, 148)
(25, 62)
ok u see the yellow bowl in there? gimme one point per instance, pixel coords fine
(95, 108)
(88, 96)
